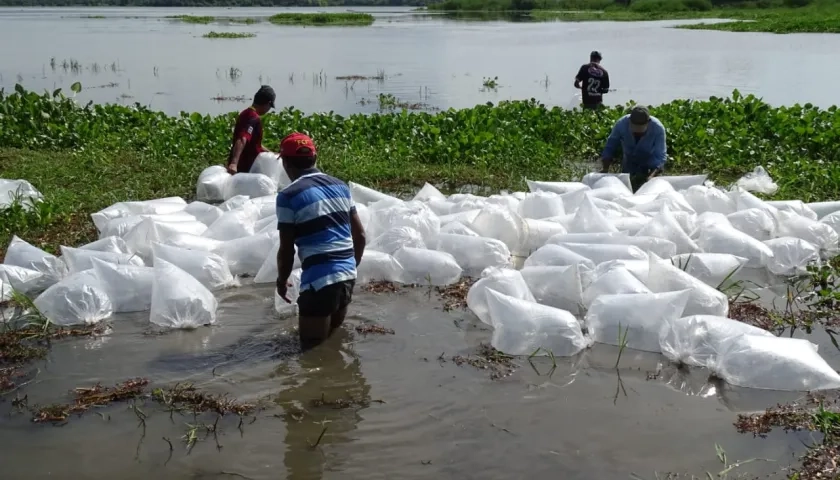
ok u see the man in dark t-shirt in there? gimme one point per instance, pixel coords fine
(248, 132)
(593, 81)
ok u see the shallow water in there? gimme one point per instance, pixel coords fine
(137, 55)
(419, 414)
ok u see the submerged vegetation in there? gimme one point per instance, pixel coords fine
(119, 152)
(228, 35)
(193, 19)
(321, 19)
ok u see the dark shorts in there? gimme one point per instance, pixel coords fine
(639, 179)
(326, 301)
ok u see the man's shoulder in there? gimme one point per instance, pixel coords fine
(249, 114)
(315, 183)
(658, 123)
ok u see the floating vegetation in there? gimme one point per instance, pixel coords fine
(244, 21)
(193, 19)
(490, 83)
(380, 76)
(226, 98)
(187, 397)
(368, 328)
(486, 357)
(322, 19)
(388, 102)
(228, 35)
(455, 296)
(341, 403)
(87, 398)
(381, 286)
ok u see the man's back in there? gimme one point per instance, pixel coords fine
(595, 81)
(249, 126)
(318, 207)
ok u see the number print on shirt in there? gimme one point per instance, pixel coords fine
(593, 87)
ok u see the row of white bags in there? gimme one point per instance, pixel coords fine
(265, 178)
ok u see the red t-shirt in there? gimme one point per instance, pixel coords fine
(249, 127)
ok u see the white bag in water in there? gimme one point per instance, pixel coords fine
(129, 287)
(367, 196)
(424, 267)
(502, 224)
(537, 233)
(589, 219)
(755, 222)
(696, 340)
(246, 255)
(540, 205)
(193, 242)
(208, 268)
(378, 267)
(709, 199)
(704, 300)
(78, 299)
(558, 287)
(664, 225)
(19, 279)
(268, 271)
(396, 238)
(140, 238)
(204, 212)
(458, 228)
(833, 221)
(22, 254)
(639, 316)
(212, 184)
(758, 181)
(108, 244)
(79, 260)
(473, 254)
(774, 363)
(409, 214)
(281, 306)
(725, 239)
(234, 224)
(270, 165)
(557, 256)
(821, 235)
(251, 185)
(600, 253)
(503, 280)
(160, 206)
(521, 327)
(710, 268)
(614, 281)
(556, 187)
(179, 300)
(791, 256)
(429, 192)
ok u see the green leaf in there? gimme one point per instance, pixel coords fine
(76, 87)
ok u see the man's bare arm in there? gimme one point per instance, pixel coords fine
(357, 231)
(285, 255)
(235, 153)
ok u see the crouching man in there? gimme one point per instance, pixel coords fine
(316, 214)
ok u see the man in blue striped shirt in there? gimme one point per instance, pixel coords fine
(316, 214)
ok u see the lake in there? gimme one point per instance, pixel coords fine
(138, 55)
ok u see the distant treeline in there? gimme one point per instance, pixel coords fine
(638, 5)
(213, 3)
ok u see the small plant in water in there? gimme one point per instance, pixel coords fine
(490, 83)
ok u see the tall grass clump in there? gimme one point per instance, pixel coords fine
(321, 19)
(228, 35)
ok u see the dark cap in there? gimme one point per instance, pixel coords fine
(595, 54)
(639, 119)
(265, 95)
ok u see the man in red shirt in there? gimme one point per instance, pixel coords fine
(248, 132)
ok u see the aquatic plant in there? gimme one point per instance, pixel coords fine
(228, 35)
(193, 19)
(322, 19)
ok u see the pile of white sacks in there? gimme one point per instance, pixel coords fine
(600, 263)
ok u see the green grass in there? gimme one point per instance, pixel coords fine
(228, 35)
(244, 21)
(85, 158)
(193, 19)
(321, 19)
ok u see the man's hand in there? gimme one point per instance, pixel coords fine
(655, 172)
(231, 169)
(606, 163)
(282, 289)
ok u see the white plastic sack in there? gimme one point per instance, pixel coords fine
(774, 363)
(614, 281)
(821, 235)
(631, 225)
(179, 300)
(246, 255)
(654, 186)
(204, 212)
(78, 299)
(539, 205)
(638, 318)
(424, 267)
(558, 287)
(141, 236)
(755, 222)
(537, 233)
(409, 214)
(639, 268)
(441, 207)
(364, 215)
(591, 178)
(235, 203)
(673, 200)
(744, 200)
(266, 224)
(118, 227)
(600, 237)
(794, 206)
(557, 256)
(791, 256)
(234, 224)
(710, 268)
(270, 165)
(129, 287)
(704, 300)
(268, 271)
(758, 181)
(823, 209)
(159, 206)
(725, 239)
(79, 260)
(282, 307)
(684, 182)
(502, 280)
(107, 244)
(193, 242)
(556, 187)
(208, 268)
(707, 219)
(19, 279)
(709, 199)
(22, 254)
(367, 196)
(251, 185)
(458, 228)
(510, 201)
(21, 191)
(696, 340)
(378, 267)
(609, 182)
(396, 238)
(502, 224)
(833, 221)
(473, 254)
(589, 219)
(600, 253)
(466, 217)
(429, 192)
(212, 184)
(665, 225)
(521, 327)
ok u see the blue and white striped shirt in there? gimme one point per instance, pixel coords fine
(318, 208)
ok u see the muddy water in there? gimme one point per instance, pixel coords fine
(418, 414)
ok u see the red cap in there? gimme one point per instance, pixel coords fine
(297, 145)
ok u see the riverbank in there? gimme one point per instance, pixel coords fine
(84, 159)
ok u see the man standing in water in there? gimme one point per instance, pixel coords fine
(248, 132)
(643, 144)
(593, 81)
(316, 214)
